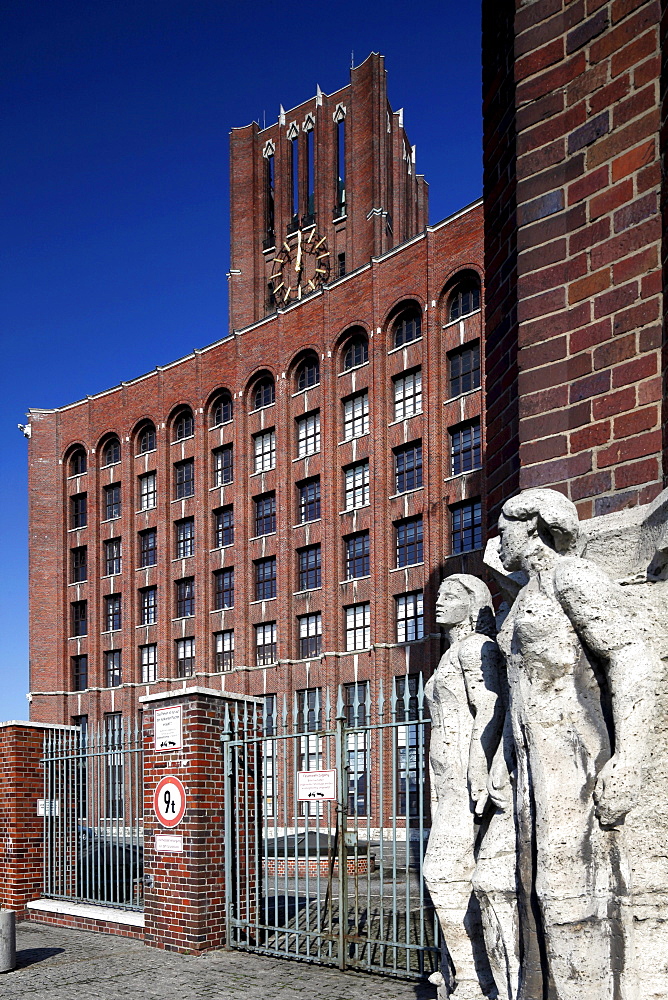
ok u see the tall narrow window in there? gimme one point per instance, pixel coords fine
(147, 439)
(79, 673)
(357, 485)
(185, 538)
(310, 635)
(184, 478)
(112, 668)
(294, 170)
(309, 568)
(308, 435)
(358, 626)
(223, 590)
(223, 467)
(224, 649)
(310, 175)
(408, 394)
(79, 510)
(185, 598)
(112, 557)
(464, 368)
(79, 611)
(265, 579)
(309, 500)
(357, 555)
(309, 710)
(465, 447)
(148, 547)
(409, 741)
(409, 616)
(79, 564)
(269, 201)
(148, 496)
(264, 449)
(341, 167)
(409, 542)
(148, 606)
(185, 657)
(78, 463)
(149, 663)
(408, 467)
(113, 613)
(223, 527)
(265, 514)
(265, 644)
(466, 533)
(356, 416)
(112, 501)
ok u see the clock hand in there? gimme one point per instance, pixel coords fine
(298, 262)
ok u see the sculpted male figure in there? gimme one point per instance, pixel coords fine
(468, 710)
(579, 675)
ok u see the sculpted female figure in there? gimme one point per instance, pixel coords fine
(468, 708)
(579, 676)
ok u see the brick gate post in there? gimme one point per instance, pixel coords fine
(184, 865)
(21, 829)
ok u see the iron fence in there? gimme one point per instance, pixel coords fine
(332, 880)
(93, 815)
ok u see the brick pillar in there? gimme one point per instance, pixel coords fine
(21, 829)
(184, 897)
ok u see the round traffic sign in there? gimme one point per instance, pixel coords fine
(169, 801)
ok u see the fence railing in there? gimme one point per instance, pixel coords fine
(93, 815)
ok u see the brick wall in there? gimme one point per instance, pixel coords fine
(184, 894)
(424, 272)
(585, 105)
(21, 829)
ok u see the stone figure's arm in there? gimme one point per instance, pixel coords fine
(479, 659)
(601, 615)
(499, 782)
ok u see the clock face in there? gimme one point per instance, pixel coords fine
(300, 266)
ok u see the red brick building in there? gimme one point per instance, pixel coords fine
(574, 123)
(273, 513)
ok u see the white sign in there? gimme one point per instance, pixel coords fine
(48, 807)
(316, 786)
(169, 801)
(168, 729)
(169, 843)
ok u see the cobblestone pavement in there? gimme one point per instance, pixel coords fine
(64, 964)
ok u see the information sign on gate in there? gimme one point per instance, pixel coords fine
(316, 786)
(169, 801)
(168, 729)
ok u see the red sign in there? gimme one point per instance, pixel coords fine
(169, 801)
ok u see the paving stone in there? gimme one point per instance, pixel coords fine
(63, 964)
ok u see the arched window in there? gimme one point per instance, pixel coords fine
(308, 374)
(221, 411)
(356, 351)
(264, 393)
(112, 452)
(407, 327)
(184, 425)
(78, 462)
(465, 299)
(147, 439)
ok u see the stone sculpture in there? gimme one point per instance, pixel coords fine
(469, 866)
(582, 675)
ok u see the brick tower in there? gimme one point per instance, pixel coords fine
(320, 192)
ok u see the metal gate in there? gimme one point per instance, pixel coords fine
(93, 809)
(336, 881)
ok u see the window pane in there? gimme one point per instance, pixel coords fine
(223, 588)
(265, 451)
(409, 617)
(149, 663)
(357, 555)
(148, 497)
(465, 448)
(409, 542)
(408, 468)
(265, 643)
(185, 657)
(224, 649)
(309, 567)
(309, 501)
(407, 328)
(265, 514)
(223, 468)
(185, 538)
(184, 479)
(358, 626)
(148, 606)
(465, 369)
(357, 485)
(148, 547)
(265, 579)
(466, 526)
(408, 395)
(185, 598)
(308, 435)
(310, 635)
(356, 416)
(223, 529)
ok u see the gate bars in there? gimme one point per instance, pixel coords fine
(336, 882)
(93, 815)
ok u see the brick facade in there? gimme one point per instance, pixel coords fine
(581, 104)
(418, 277)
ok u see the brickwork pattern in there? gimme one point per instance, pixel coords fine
(386, 201)
(586, 110)
(423, 272)
(22, 829)
(184, 895)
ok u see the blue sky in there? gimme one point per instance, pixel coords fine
(114, 214)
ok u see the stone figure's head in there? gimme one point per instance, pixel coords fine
(465, 598)
(533, 519)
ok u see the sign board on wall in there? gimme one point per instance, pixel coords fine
(168, 729)
(316, 786)
(169, 801)
(169, 843)
(48, 807)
